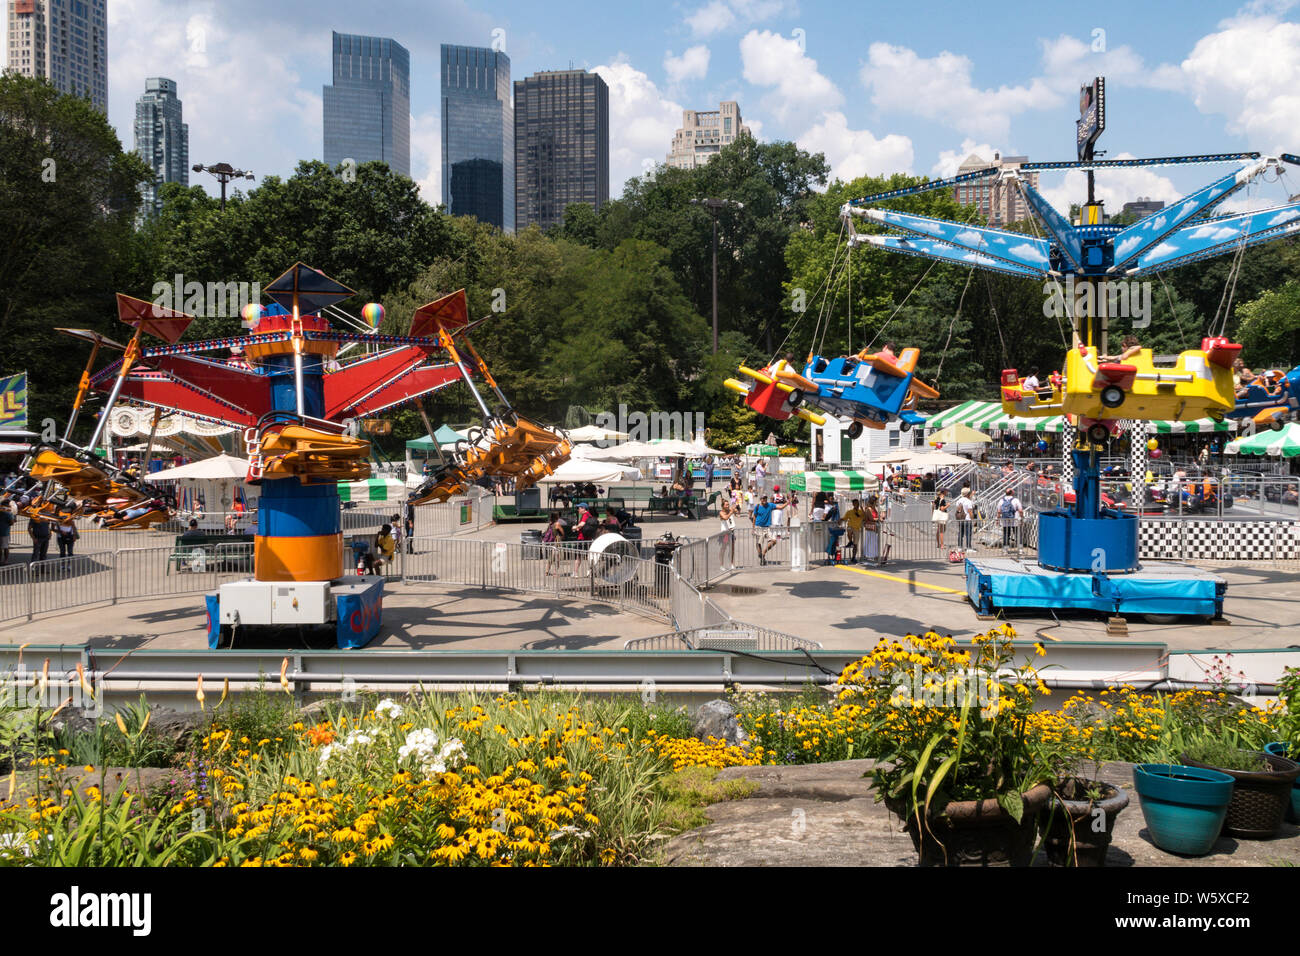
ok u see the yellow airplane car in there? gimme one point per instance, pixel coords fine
(1199, 384)
(1042, 402)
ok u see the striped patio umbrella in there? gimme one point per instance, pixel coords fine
(373, 489)
(1284, 443)
(839, 481)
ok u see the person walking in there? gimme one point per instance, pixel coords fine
(410, 528)
(385, 547)
(708, 473)
(939, 517)
(67, 536)
(781, 504)
(1010, 512)
(588, 531)
(760, 477)
(760, 516)
(727, 520)
(553, 538)
(965, 508)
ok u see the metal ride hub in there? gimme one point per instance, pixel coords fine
(1088, 556)
(284, 387)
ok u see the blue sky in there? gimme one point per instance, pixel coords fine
(879, 87)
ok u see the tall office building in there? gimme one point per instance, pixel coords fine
(561, 145)
(478, 135)
(161, 139)
(998, 200)
(64, 41)
(368, 107)
(703, 134)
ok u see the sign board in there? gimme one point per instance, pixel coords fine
(13, 402)
(1092, 116)
(466, 511)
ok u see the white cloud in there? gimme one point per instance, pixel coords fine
(941, 88)
(1067, 61)
(718, 15)
(642, 122)
(1249, 71)
(771, 60)
(951, 159)
(426, 156)
(691, 65)
(1113, 186)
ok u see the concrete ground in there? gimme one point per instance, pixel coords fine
(825, 815)
(848, 606)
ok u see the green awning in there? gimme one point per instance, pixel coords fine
(373, 489)
(443, 434)
(813, 481)
(987, 416)
(1195, 427)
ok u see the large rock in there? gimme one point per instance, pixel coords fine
(718, 719)
(177, 726)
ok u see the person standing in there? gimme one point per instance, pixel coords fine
(410, 528)
(40, 534)
(396, 522)
(760, 517)
(1010, 512)
(708, 473)
(939, 517)
(384, 549)
(727, 520)
(67, 536)
(871, 530)
(854, 519)
(781, 504)
(964, 507)
(760, 478)
(7, 518)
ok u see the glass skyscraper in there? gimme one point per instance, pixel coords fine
(478, 135)
(368, 107)
(561, 145)
(161, 139)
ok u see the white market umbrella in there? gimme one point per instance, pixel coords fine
(595, 433)
(922, 461)
(579, 470)
(209, 469)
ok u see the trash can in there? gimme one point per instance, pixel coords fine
(665, 548)
(532, 544)
(632, 533)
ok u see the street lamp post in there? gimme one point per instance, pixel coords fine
(713, 205)
(224, 173)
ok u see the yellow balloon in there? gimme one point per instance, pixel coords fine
(1152, 444)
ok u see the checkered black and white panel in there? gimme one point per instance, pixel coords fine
(1069, 438)
(1219, 540)
(1138, 433)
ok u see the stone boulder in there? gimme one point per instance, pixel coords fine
(717, 718)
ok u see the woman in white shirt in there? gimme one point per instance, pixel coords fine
(727, 519)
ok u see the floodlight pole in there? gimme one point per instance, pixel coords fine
(224, 173)
(713, 205)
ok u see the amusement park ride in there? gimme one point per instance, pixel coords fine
(292, 398)
(1088, 554)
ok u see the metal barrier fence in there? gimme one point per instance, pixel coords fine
(727, 636)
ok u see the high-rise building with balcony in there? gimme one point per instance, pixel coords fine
(561, 145)
(478, 135)
(161, 138)
(703, 134)
(998, 200)
(63, 41)
(368, 107)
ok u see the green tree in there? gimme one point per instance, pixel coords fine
(69, 196)
(1270, 327)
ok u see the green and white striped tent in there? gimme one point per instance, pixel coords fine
(373, 489)
(987, 416)
(813, 481)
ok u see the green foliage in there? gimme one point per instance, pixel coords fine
(1270, 327)
(263, 715)
(1220, 754)
(689, 790)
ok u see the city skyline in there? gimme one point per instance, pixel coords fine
(874, 89)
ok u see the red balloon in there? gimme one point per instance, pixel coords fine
(1154, 453)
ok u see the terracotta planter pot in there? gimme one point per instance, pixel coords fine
(975, 832)
(1077, 831)
(1260, 798)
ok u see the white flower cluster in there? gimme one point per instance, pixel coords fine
(388, 708)
(354, 739)
(423, 746)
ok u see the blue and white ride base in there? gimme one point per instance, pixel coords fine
(351, 608)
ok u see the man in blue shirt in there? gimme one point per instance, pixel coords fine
(761, 516)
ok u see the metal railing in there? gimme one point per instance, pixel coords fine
(727, 636)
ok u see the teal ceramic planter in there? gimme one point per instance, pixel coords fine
(1184, 807)
(1293, 812)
